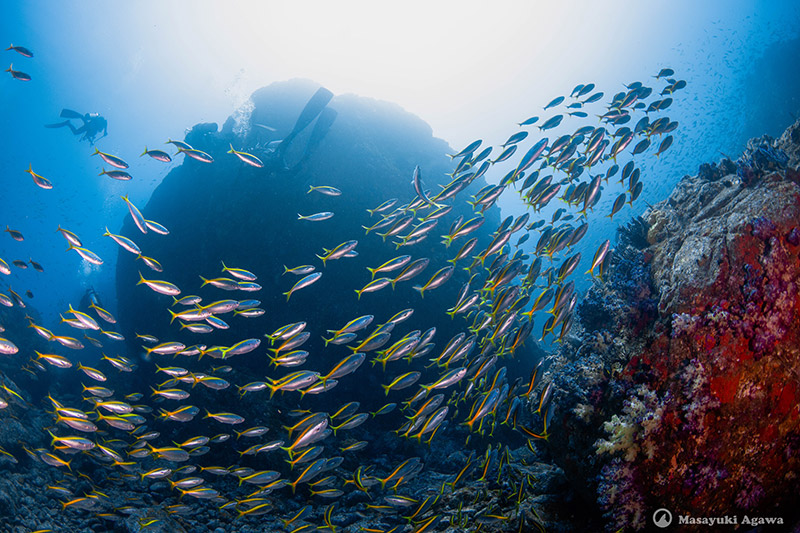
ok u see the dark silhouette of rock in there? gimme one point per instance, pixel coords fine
(248, 218)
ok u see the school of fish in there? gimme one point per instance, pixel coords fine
(462, 383)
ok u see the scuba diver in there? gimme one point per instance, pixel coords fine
(90, 297)
(274, 155)
(93, 124)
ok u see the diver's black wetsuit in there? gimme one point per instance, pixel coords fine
(93, 124)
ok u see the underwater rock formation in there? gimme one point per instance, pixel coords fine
(683, 390)
(248, 217)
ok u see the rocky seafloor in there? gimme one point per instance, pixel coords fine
(678, 388)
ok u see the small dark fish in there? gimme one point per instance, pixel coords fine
(593, 98)
(664, 73)
(29, 294)
(18, 75)
(514, 139)
(528, 122)
(16, 235)
(635, 192)
(665, 103)
(21, 50)
(580, 114)
(508, 152)
(20, 264)
(483, 155)
(585, 90)
(554, 102)
(552, 122)
(36, 266)
(468, 150)
(626, 171)
(666, 143)
(577, 89)
(641, 146)
(618, 203)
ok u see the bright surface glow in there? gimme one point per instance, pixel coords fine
(470, 69)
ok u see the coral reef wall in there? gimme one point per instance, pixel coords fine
(682, 390)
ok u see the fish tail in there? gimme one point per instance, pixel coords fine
(359, 294)
(96, 151)
(141, 278)
(174, 315)
(205, 282)
(288, 295)
(311, 188)
(421, 290)
(385, 388)
(366, 228)
(11, 66)
(231, 151)
(372, 271)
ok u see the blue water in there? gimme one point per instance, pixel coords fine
(154, 70)
(144, 70)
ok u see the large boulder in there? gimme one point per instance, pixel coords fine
(248, 218)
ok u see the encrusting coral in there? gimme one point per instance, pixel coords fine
(684, 390)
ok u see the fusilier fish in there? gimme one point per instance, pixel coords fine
(112, 160)
(250, 159)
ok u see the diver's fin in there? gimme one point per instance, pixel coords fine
(313, 108)
(57, 124)
(69, 113)
(324, 123)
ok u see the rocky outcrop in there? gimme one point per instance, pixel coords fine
(683, 390)
(248, 217)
